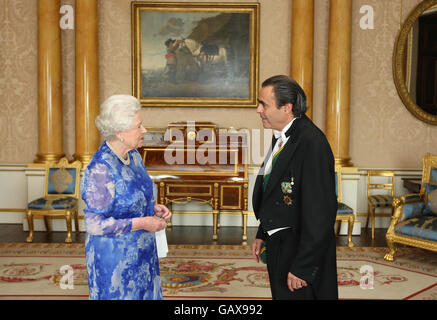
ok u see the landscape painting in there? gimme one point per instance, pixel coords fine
(195, 54)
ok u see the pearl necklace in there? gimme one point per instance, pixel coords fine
(125, 161)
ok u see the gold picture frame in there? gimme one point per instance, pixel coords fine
(195, 54)
(400, 63)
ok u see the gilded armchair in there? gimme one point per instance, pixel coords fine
(61, 193)
(344, 212)
(414, 221)
(380, 194)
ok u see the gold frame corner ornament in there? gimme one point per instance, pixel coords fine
(399, 50)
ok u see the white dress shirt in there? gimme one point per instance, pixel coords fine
(280, 142)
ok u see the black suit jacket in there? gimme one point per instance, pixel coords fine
(308, 159)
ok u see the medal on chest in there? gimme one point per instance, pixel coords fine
(287, 190)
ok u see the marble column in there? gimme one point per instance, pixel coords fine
(338, 79)
(302, 48)
(87, 79)
(50, 135)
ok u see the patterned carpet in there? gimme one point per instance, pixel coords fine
(57, 271)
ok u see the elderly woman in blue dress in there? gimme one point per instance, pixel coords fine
(121, 216)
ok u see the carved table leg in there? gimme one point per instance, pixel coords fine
(170, 207)
(215, 211)
(244, 214)
(215, 214)
(165, 201)
(218, 220)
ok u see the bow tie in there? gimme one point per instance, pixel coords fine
(277, 134)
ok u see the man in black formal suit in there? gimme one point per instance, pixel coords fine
(294, 197)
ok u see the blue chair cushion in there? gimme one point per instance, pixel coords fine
(424, 227)
(62, 181)
(412, 210)
(64, 203)
(344, 209)
(431, 200)
(380, 200)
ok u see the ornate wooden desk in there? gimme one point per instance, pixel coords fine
(197, 161)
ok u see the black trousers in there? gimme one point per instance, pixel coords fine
(281, 249)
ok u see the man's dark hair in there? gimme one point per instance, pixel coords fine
(288, 91)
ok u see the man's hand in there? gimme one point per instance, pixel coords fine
(162, 212)
(294, 282)
(256, 248)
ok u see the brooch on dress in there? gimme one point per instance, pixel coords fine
(287, 189)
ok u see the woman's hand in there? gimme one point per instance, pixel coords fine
(162, 212)
(152, 224)
(155, 224)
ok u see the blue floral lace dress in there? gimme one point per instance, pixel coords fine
(120, 264)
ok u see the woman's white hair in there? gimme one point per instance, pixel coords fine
(116, 115)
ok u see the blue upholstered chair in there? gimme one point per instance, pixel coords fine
(61, 193)
(414, 221)
(344, 212)
(380, 193)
